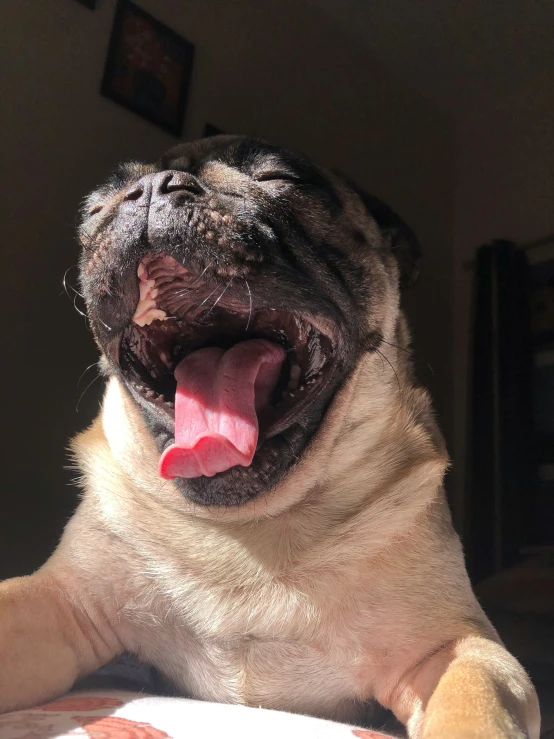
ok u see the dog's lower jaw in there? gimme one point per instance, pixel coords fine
(347, 450)
(141, 464)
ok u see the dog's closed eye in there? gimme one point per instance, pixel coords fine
(275, 175)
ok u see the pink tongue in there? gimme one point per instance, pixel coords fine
(218, 396)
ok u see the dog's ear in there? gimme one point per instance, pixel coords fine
(403, 242)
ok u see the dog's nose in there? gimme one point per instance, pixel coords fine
(175, 180)
(157, 185)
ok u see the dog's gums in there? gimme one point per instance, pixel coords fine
(229, 376)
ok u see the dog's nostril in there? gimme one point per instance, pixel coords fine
(180, 181)
(134, 193)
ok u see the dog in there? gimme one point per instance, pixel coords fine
(263, 518)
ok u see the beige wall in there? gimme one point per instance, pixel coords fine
(505, 189)
(274, 68)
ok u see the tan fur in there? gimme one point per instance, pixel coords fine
(344, 585)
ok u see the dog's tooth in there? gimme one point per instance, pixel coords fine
(161, 397)
(153, 314)
(165, 359)
(295, 372)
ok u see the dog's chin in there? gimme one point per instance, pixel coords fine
(240, 485)
(273, 460)
(154, 344)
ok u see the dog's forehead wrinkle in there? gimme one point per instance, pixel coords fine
(217, 173)
(241, 153)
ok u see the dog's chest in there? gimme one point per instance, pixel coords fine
(288, 643)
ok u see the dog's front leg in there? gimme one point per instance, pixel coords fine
(48, 639)
(470, 689)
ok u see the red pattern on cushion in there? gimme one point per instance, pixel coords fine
(114, 727)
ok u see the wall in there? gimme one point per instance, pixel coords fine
(277, 69)
(505, 188)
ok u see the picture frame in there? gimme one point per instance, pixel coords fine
(148, 67)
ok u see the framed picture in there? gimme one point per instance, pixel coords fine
(148, 68)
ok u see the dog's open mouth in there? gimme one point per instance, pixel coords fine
(230, 376)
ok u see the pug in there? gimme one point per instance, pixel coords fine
(263, 518)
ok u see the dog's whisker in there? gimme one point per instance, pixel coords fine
(222, 294)
(94, 364)
(407, 351)
(66, 284)
(402, 349)
(187, 289)
(390, 365)
(91, 383)
(184, 290)
(295, 456)
(80, 312)
(109, 328)
(205, 270)
(210, 295)
(250, 304)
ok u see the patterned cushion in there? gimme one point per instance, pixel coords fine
(123, 715)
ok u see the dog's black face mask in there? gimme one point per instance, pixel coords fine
(232, 288)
